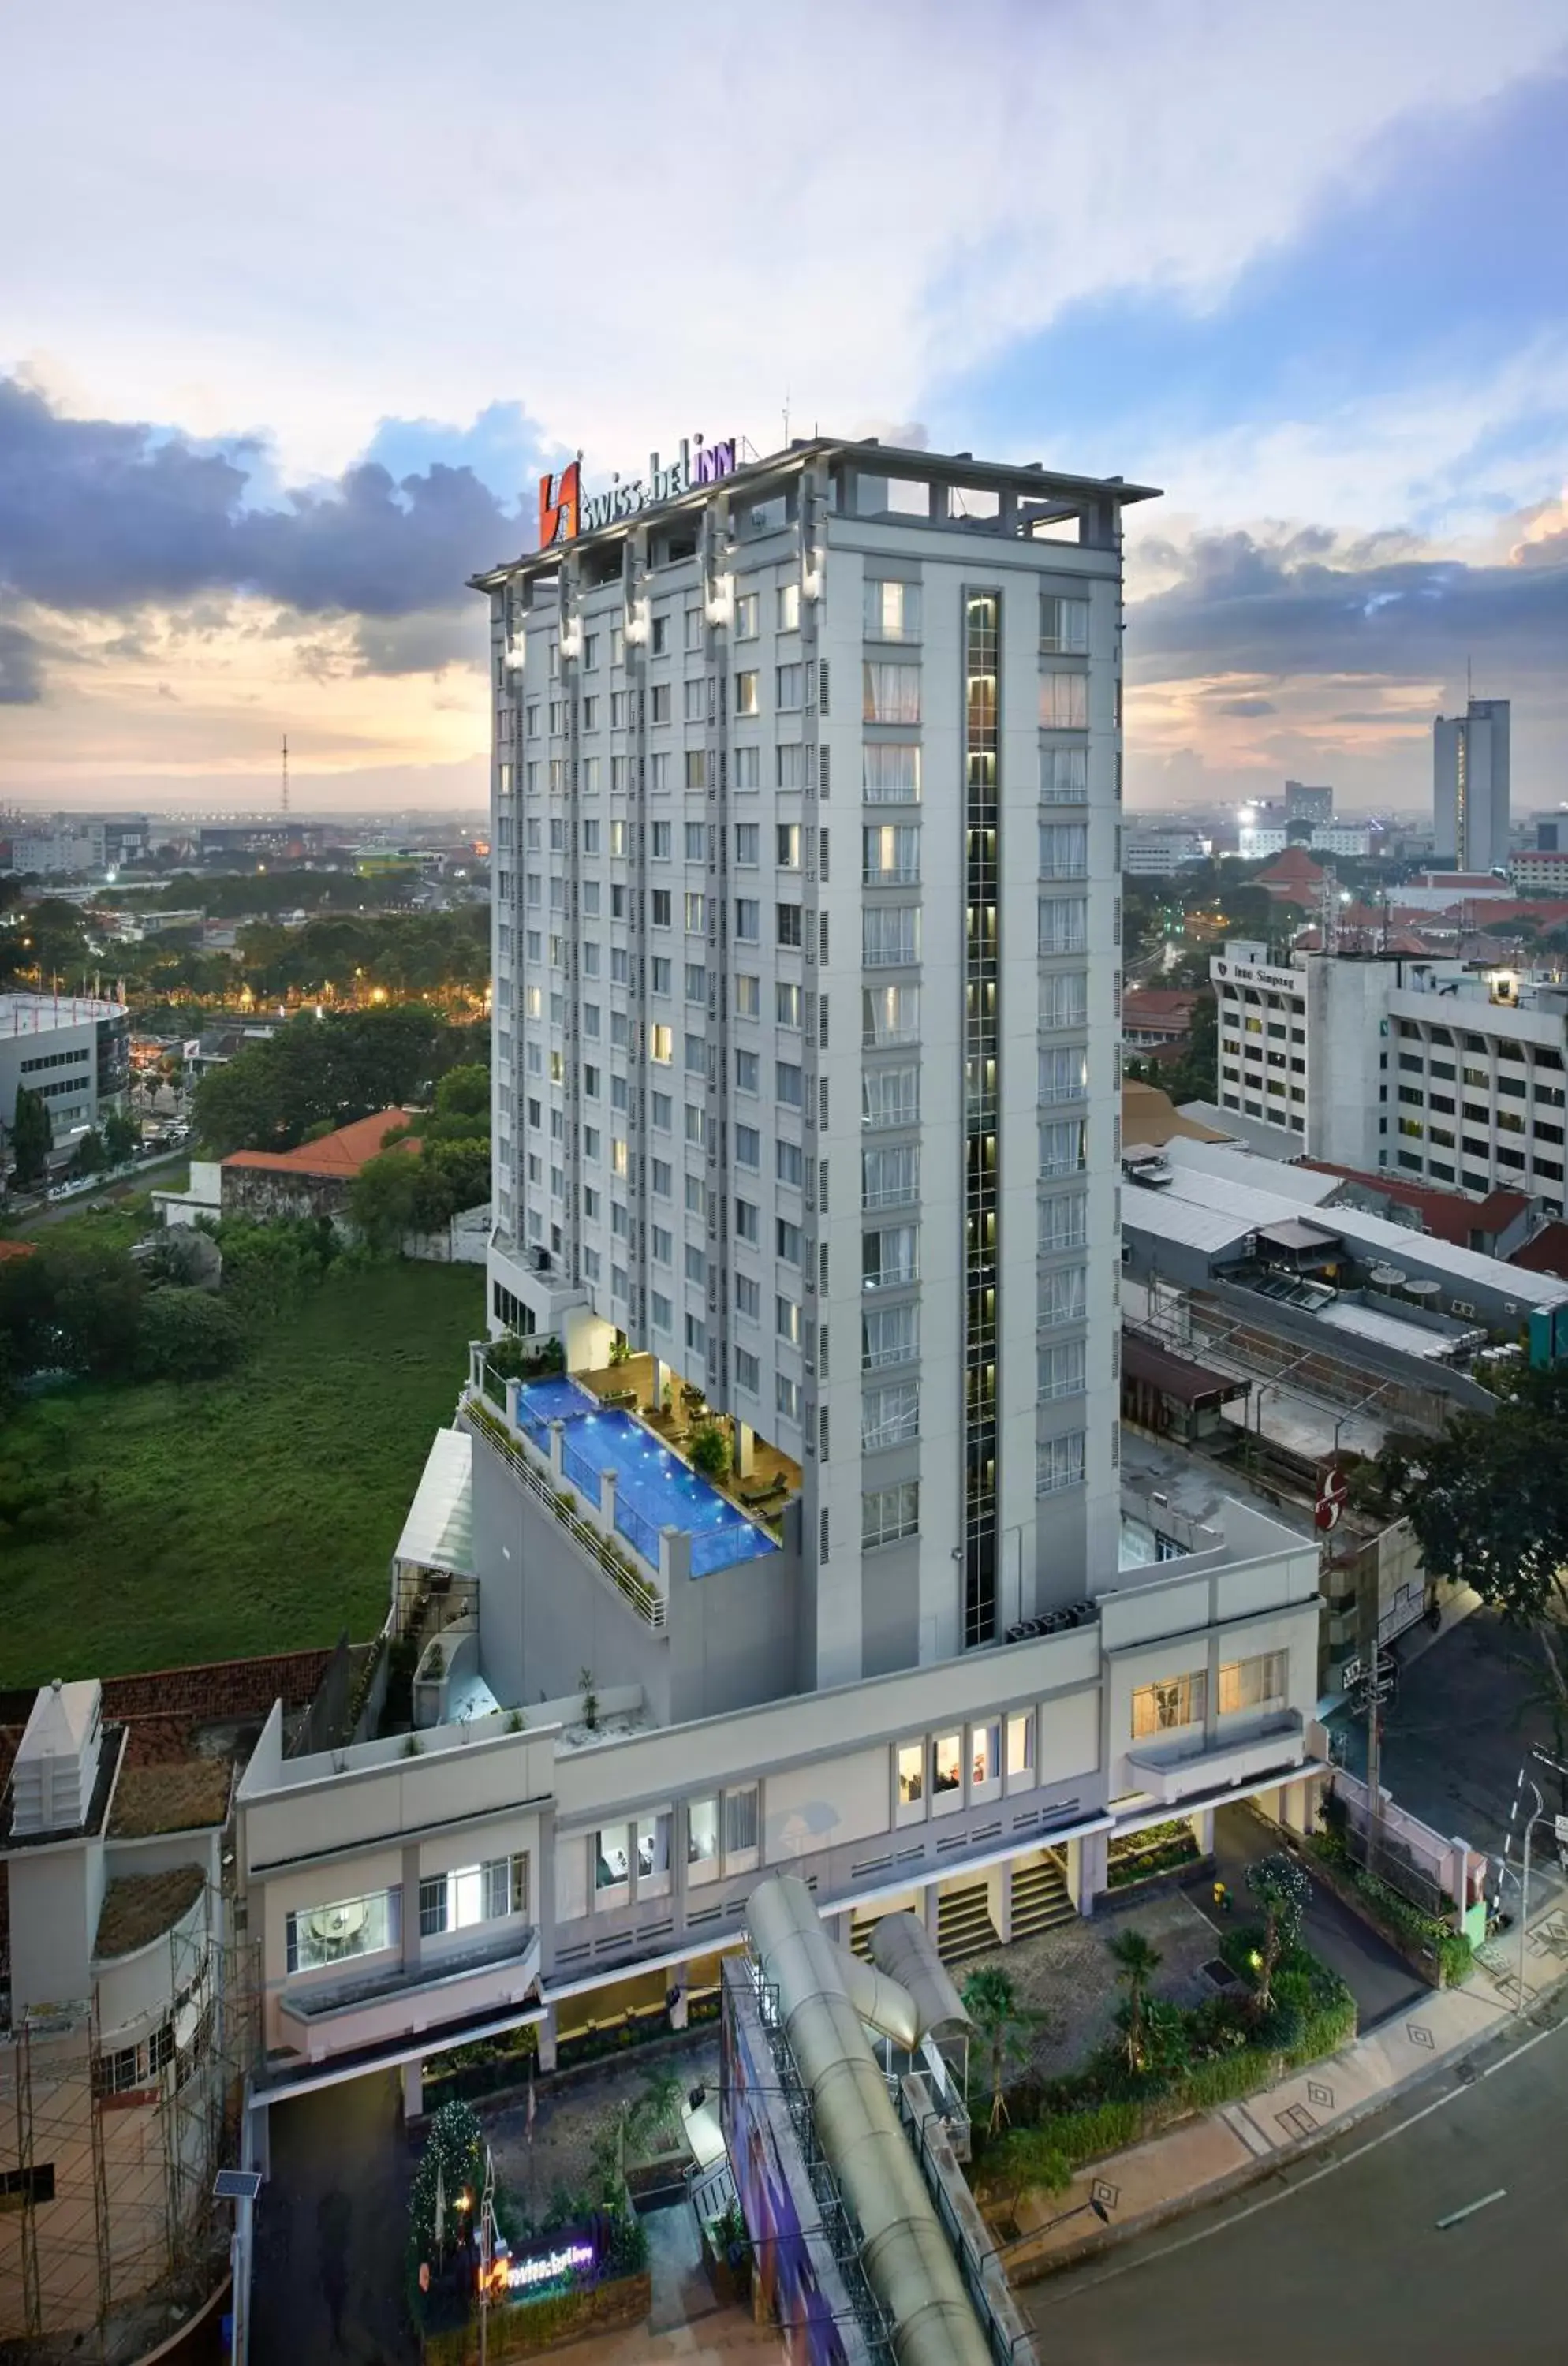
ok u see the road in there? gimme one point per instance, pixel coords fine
(1341, 2261)
(55, 1211)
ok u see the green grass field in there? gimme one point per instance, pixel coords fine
(254, 1514)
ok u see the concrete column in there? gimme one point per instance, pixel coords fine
(840, 1927)
(546, 2030)
(608, 1481)
(558, 1439)
(660, 1375)
(674, 1559)
(1086, 1863)
(745, 1448)
(513, 1386)
(1001, 1894)
(476, 1366)
(931, 1908)
(1298, 1806)
(680, 1977)
(413, 2090)
(1202, 1825)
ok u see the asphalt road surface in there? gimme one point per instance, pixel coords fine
(1343, 2259)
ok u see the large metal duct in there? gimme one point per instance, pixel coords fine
(905, 2253)
(884, 2004)
(905, 1952)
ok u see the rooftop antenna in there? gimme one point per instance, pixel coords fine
(1468, 685)
(786, 419)
(283, 805)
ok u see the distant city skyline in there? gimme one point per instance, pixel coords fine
(279, 367)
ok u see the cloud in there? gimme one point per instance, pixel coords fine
(106, 515)
(21, 674)
(1247, 706)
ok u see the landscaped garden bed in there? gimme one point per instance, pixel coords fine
(1157, 1853)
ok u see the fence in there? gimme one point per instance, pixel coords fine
(716, 1548)
(576, 1467)
(638, 1531)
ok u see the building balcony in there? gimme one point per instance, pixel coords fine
(380, 2008)
(1174, 1774)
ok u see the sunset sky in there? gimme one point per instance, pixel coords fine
(297, 300)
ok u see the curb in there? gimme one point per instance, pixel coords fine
(1275, 2164)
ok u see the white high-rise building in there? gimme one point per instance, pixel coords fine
(1471, 785)
(806, 979)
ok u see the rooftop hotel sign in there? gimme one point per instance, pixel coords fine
(565, 513)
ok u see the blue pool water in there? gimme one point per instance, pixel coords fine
(654, 1485)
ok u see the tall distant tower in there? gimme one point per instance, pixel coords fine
(1471, 787)
(283, 803)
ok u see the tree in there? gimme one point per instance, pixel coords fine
(463, 1169)
(464, 1092)
(1488, 1504)
(1283, 1888)
(386, 1199)
(709, 1450)
(1003, 2027)
(1136, 1960)
(122, 1137)
(446, 2184)
(187, 1335)
(32, 1138)
(90, 1155)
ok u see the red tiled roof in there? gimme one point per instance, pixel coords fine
(1448, 1215)
(16, 1248)
(1294, 868)
(1547, 1253)
(340, 1155)
(1159, 1002)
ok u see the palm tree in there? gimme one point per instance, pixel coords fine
(1003, 2025)
(1136, 1960)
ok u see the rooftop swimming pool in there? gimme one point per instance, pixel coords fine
(654, 1489)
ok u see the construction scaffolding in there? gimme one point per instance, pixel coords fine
(108, 2226)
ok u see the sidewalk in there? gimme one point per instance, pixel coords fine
(1203, 2159)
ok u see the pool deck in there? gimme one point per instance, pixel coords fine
(770, 1464)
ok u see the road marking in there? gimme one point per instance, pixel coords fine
(1457, 2217)
(1185, 2242)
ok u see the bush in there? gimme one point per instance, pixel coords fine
(709, 1451)
(187, 1335)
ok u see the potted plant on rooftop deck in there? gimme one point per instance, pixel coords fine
(709, 1450)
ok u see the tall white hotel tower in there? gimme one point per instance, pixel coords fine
(804, 825)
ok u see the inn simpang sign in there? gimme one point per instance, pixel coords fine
(565, 512)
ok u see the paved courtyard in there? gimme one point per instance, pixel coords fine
(1067, 1975)
(569, 2113)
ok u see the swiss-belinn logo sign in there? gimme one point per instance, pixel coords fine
(564, 514)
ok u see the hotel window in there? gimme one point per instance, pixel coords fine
(1253, 1684)
(696, 841)
(702, 1841)
(696, 983)
(1064, 702)
(787, 1005)
(789, 1162)
(984, 1761)
(889, 1334)
(591, 714)
(663, 1245)
(891, 693)
(789, 1084)
(748, 1071)
(1168, 1704)
(789, 608)
(792, 766)
(1064, 1221)
(696, 767)
(747, 1372)
(889, 1015)
(531, 719)
(1021, 1749)
(660, 644)
(746, 693)
(891, 1177)
(318, 1935)
(1062, 1370)
(589, 651)
(693, 628)
(786, 1320)
(790, 687)
(748, 919)
(786, 1396)
(653, 1853)
(612, 1861)
(890, 1097)
(889, 1513)
(1064, 924)
(892, 611)
(696, 912)
(787, 845)
(1063, 849)
(1063, 1072)
(748, 843)
(748, 995)
(740, 1827)
(747, 768)
(660, 907)
(473, 1894)
(947, 1773)
(748, 1146)
(660, 700)
(661, 1044)
(1063, 626)
(1058, 1463)
(659, 840)
(890, 854)
(660, 972)
(1064, 998)
(697, 1334)
(891, 772)
(890, 1415)
(1064, 1296)
(788, 1241)
(890, 936)
(618, 776)
(889, 1257)
(789, 925)
(659, 775)
(618, 710)
(746, 1223)
(747, 613)
(910, 1766)
(696, 1125)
